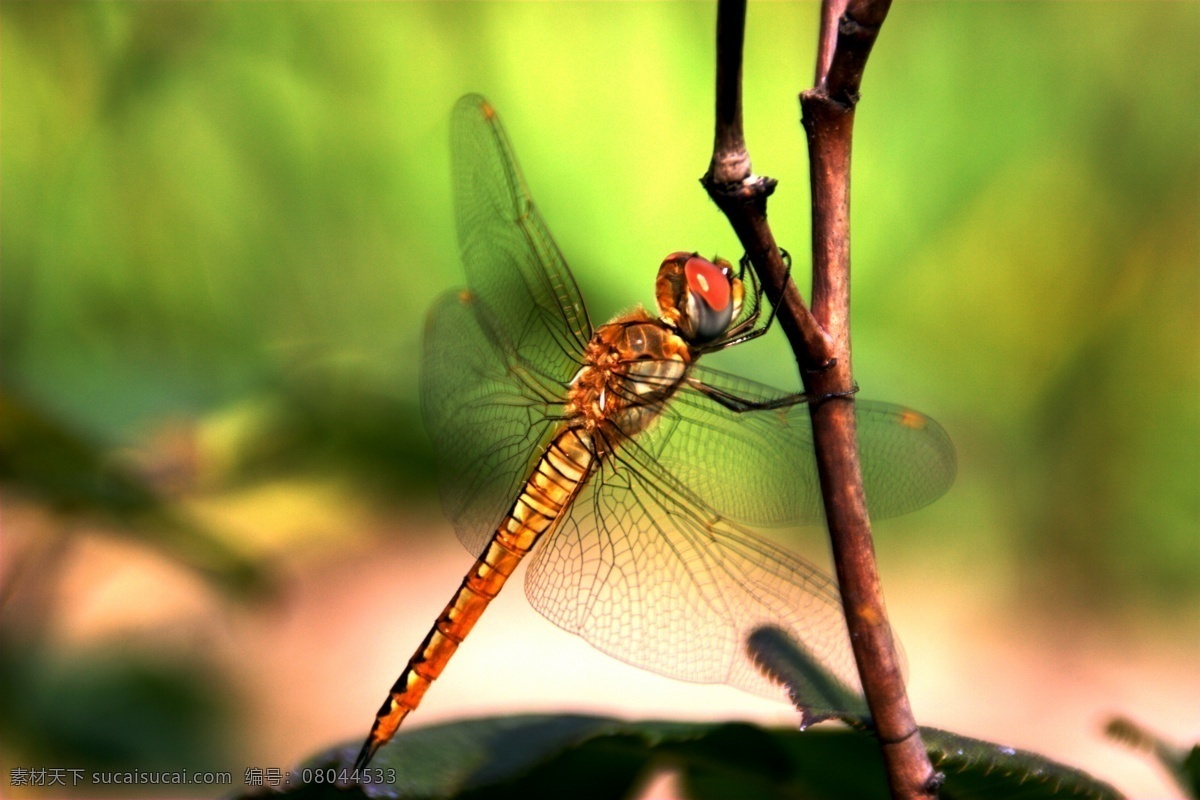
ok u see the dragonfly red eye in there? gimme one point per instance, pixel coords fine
(709, 281)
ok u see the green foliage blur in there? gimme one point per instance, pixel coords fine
(236, 214)
(214, 205)
(534, 756)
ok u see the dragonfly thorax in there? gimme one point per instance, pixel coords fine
(632, 366)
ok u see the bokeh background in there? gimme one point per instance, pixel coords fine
(221, 225)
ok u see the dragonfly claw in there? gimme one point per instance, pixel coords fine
(817, 399)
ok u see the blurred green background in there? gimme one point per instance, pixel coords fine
(222, 223)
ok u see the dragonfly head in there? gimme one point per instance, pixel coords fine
(699, 298)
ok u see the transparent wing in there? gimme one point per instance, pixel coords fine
(758, 466)
(512, 263)
(645, 571)
(489, 414)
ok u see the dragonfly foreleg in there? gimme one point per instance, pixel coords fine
(746, 330)
(756, 289)
(740, 405)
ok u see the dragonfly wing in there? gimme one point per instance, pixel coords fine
(512, 263)
(758, 466)
(908, 460)
(646, 572)
(487, 412)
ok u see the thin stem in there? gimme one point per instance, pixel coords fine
(742, 196)
(830, 13)
(820, 339)
(828, 116)
(730, 162)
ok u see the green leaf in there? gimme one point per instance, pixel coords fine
(109, 708)
(1191, 772)
(1183, 766)
(976, 770)
(815, 692)
(611, 767)
(604, 759)
(971, 765)
(455, 758)
(42, 458)
(745, 761)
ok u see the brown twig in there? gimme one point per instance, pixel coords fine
(821, 339)
(831, 12)
(742, 195)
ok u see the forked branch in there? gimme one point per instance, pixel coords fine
(742, 196)
(820, 338)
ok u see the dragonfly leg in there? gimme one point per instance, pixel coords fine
(739, 405)
(746, 329)
(821, 398)
(756, 289)
(756, 310)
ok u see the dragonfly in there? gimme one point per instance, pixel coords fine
(635, 475)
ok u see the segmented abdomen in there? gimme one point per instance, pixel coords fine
(556, 478)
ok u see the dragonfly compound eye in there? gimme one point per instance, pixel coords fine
(697, 297)
(710, 299)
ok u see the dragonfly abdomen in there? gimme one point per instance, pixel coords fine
(555, 479)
